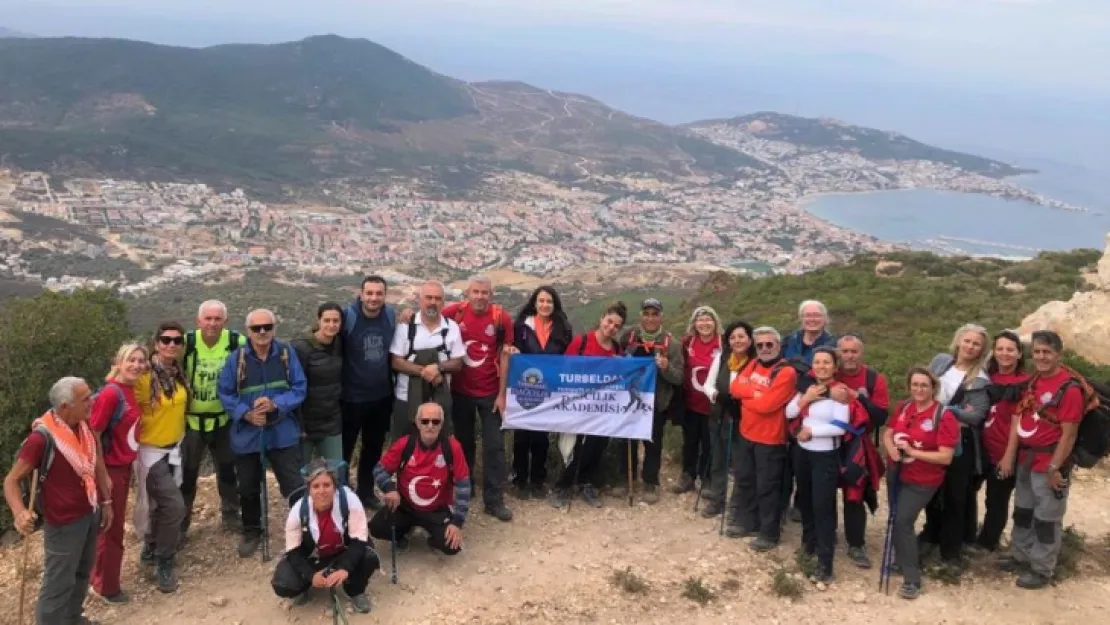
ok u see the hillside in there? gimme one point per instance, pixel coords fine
(297, 113)
(907, 305)
(830, 135)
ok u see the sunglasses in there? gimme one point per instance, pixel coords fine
(432, 422)
(174, 340)
(261, 327)
(765, 345)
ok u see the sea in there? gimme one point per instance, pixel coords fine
(976, 224)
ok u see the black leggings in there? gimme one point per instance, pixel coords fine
(695, 444)
(530, 457)
(386, 523)
(588, 453)
(998, 509)
(288, 582)
(946, 514)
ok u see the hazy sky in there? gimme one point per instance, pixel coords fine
(1033, 42)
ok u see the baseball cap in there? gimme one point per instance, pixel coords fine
(651, 302)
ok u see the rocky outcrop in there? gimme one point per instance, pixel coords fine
(1084, 320)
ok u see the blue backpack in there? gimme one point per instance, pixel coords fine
(117, 415)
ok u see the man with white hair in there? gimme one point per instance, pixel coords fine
(206, 423)
(486, 329)
(799, 346)
(814, 318)
(261, 387)
(74, 498)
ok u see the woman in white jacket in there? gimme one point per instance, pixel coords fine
(816, 458)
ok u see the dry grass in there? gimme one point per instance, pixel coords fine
(696, 590)
(630, 582)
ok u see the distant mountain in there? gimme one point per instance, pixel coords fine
(294, 114)
(826, 134)
(7, 32)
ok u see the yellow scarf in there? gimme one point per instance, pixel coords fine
(737, 362)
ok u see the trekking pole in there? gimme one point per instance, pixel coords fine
(265, 498)
(629, 448)
(728, 473)
(26, 547)
(888, 541)
(393, 547)
(708, 467)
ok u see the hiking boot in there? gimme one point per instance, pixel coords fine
(620, 492)
(954, 568)
(822, 575)
(712, 509)
(119, 598)
(539, 491)
(975, 550)
(1009, 564)
(402, 543)
(685, 485)
(738, 531)
(361, 603)
(762, 544)
(371, 502)
(301, 599)
(794, 515)
(499, 511)
(560, 498)
(146, 557)
(1031, 580)
(248, 544)
(859, 556)
(650, 495)
(591, 496)
(909, 591)
(167, 577)
(522, 492)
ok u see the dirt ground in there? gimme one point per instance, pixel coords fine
(547, 566)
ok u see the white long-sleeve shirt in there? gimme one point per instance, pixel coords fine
(819, 419)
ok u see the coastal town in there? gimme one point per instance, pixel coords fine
(755, 222)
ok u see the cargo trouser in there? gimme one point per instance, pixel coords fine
(1038, 521)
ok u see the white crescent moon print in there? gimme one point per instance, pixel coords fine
(698, 386)
(1024, 433)
(131, 440)
(466, 356)
(417, 499)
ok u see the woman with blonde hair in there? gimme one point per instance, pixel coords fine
(114, 416)
(702, 347)
(963, 389)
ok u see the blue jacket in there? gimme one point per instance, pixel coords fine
(794, 347)
(279, 378)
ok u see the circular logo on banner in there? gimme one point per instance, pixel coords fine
(530, 390)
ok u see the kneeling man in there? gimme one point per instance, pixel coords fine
(432, 487)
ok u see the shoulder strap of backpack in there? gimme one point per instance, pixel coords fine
(189, 360)
(306, 531)
(232, 340)
(349, 321)
(285, 362)
(345, 513)
(937, 414)
(448, 455)
(412, 338)
(582, 344)
(406, 454)
(872, 378)
(240, 369)
(390, 317)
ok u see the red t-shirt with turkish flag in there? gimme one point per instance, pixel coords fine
(593, 348)
(125, 446)
(479, 375)
(996, 430)
(425, 483)
(1034, 430)
(918, 429)
(700, 355)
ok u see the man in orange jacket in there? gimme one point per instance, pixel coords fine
(764, 387)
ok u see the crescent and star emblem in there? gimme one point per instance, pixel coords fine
(131, 441)
(466, 356)
(990, 422)
(1024, 433)
(416, 498)
(697, 386)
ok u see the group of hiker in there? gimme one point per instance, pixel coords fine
(794, 421)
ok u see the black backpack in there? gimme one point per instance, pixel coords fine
(1092, 443)
(189, 360)
(412, 339)
(44, 468)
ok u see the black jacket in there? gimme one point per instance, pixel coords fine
(524, 338)
(320, 413)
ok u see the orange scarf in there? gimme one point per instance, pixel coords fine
(78, 448)
(543, 330)
(736, 362)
